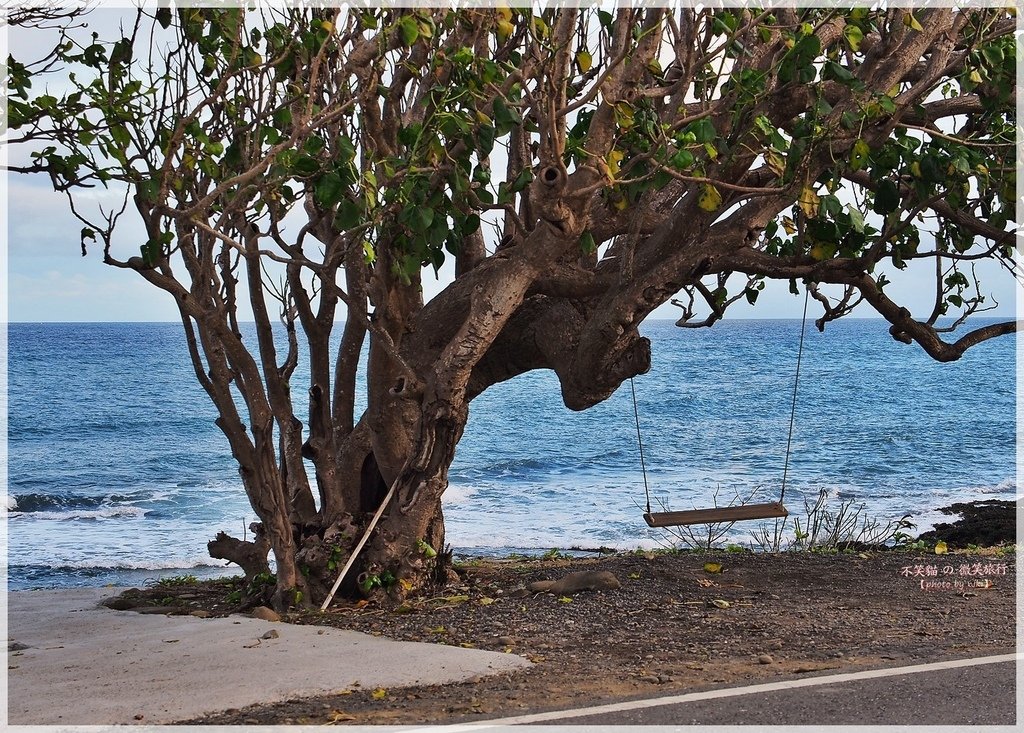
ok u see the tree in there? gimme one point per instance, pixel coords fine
(579, 167)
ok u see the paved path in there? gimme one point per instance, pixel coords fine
(959, 692)
(85, 664)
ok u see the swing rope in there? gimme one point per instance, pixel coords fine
(640, 442)
(796, 382)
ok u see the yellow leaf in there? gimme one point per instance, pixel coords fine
(405, 584)
(712, 567)
(565, 599)
(809, 202)
(486, 601)
(327, 26)
(456, 599)
(584, 60)
(621, 203)
(614, 161)
(504, 12)
(776, 163)
(338, 716)
(709, 199)
(822, 251)
(379, 694)
(915, 168)
(788, 225)
(467, 645)
(719, 603)
(911, 22)
(624, 115)
(941, 548)
(505, 30)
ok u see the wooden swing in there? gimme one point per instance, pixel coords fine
(716, 515)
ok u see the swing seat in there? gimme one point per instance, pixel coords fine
(716, 515)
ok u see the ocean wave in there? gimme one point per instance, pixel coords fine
(109, 512)
(154, 564)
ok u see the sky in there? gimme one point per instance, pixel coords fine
(49, 281)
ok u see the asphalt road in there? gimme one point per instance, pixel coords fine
(983, 695)
(953, 693)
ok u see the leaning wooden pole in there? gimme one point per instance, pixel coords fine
(359, 547)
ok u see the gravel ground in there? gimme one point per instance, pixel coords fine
(678, 623)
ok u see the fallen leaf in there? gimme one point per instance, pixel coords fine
(941, 548)
(719, 603)
(485, 601)
(705, 583)
(467, 645)
(379, 694)
(712, 567)
(565, 599)
(456, 599)
(338, 716)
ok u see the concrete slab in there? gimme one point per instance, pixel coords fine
(77, 663)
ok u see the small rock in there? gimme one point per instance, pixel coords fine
(652, 678)
(272, 634)
(199, 613)
(265, 614)
(765, 658)
(17, 646)
(506, 640)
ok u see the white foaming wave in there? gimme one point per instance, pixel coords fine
(10, 503)
(114, 512)
(121, 564)
(458, 494)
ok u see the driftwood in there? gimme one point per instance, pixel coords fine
(250, 556)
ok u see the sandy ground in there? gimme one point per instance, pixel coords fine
(72, 662)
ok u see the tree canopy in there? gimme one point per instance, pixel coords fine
(579, 166)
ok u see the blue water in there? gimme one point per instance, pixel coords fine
(118, 474)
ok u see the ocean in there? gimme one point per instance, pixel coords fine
(117, 473)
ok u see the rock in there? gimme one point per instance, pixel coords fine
(265, 614)
(765, 658)
(576, 582)
(506, 640)
(17, 646)
(200, 613)
(119, 603)
(272, 634)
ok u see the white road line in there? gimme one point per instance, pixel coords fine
(725, 692)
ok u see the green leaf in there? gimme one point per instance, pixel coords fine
(470, 225)
(854, 36)
(408, 29)
(887, 198)
(329, 189)
(163, 17)
(584, 60)
(349, 214)
(856, 219)
(859, 155)
(587, 243)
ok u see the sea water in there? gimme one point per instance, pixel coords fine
(117, 472)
